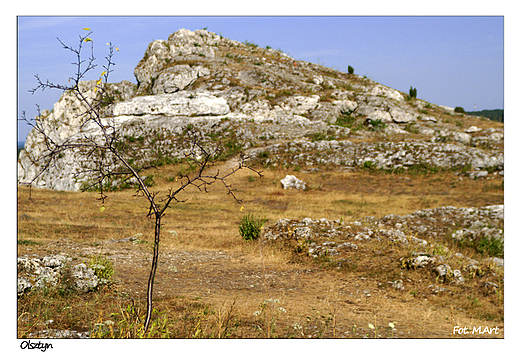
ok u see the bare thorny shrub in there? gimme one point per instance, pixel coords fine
(112, 156)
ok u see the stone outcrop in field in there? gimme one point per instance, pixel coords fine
(265, 104)
(480, 229)
(54, 271)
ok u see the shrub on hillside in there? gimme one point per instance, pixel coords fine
(413, 92)
(250, 227)
(459, 110)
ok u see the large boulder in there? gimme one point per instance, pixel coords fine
(65, 121)
(345, 106)
(381, 90)
(400, 115)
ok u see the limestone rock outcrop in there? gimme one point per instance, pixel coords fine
(243, 96)
(52, 271)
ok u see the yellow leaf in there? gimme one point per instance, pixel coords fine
(88, 40)
(86, 29)
(242, 208)
(117, 49)
(103, 73)
(102, 209)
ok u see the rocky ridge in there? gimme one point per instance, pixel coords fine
(267, 105)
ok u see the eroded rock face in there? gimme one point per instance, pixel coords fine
(181, 46)
(254, 97)
(177, 78)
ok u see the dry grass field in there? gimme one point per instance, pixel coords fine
(212, 284)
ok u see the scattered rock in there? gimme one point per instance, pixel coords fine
(390, 156)
(397, 285)
(436, 289)
(332, 239)
(59, 333)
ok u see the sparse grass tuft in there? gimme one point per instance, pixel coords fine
(250, 227)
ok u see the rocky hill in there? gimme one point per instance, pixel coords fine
(261, 102)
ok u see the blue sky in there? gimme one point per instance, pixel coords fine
(453, 61)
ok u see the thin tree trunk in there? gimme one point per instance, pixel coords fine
(155, 259)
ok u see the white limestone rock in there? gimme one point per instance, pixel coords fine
(174, 104)
(291, 181)
(387, 92)
(177, 78)
(345, 106)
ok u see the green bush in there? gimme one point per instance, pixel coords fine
(459, 110)
(345, 120)
(494, 247)
(350, 70)
(378, 124)
(250, 227)
(413, 92)
(368, 165)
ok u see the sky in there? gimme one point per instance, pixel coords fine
(451, 60)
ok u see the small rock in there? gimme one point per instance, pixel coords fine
(496, 261)
(473, 129)
(443, 271)
(457, 275)
(397, 284)
(291, 181)
(481, 174)
(436, 289)
(23, 285)
(490, 286)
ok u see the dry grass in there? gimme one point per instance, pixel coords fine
(220, 281)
